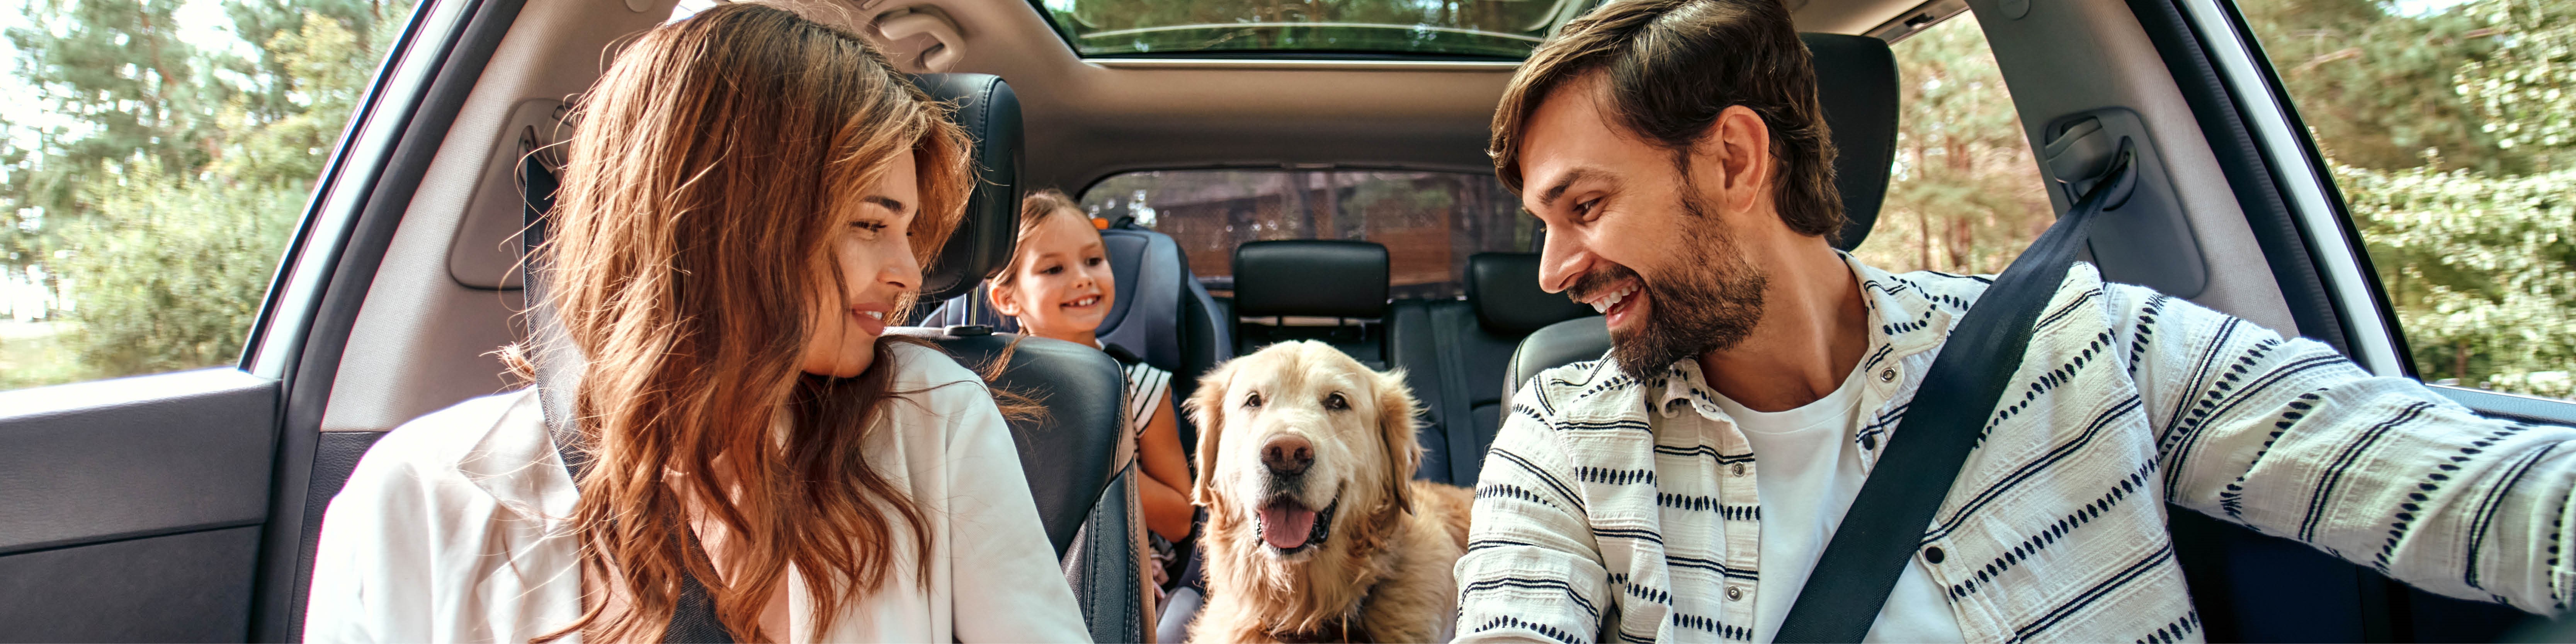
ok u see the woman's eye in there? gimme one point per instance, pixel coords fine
(1252, 401)
(870, 226)
(1336, 402)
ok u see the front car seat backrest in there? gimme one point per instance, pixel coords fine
(990, 113)
(1067, 453)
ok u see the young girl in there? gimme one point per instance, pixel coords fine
(747, 199)
(1058, 285)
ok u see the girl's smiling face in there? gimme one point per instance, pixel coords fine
(1059, 286)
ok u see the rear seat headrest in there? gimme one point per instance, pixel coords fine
(990, 114)
(1504, 288)
(1857, 87)
(1315, 277)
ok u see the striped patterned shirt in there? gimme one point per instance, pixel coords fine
(1617, 509)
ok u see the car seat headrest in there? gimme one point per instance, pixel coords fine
(1505, 291)
(1860, 106)
(1317, 277)
(985, 107)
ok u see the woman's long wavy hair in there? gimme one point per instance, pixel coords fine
(710, 169)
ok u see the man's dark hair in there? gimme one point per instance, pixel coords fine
(1671, 66)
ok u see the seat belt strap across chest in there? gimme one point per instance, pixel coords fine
(558, 373)
(1887, 521)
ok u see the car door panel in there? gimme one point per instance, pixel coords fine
(133, 506)
(187, 587)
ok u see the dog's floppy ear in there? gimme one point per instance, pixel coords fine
(1395, 425)
(1207, 410)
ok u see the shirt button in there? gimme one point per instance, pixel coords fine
(1887, 375)
(1739, 469)
(1932, 555)
(1734, 593)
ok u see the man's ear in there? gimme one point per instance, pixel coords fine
(1207, 410)
(1005, 298)
(1395, 423)
(1735, 155)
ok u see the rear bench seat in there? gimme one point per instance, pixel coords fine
(1454, 353)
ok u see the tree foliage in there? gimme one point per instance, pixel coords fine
(1965, 195)
(159, 198)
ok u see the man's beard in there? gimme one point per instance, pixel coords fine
(1702, 306)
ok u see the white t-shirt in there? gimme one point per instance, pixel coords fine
(1807, 471)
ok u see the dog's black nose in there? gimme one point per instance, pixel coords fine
(1288, 455)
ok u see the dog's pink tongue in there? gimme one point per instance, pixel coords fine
(1286, 525)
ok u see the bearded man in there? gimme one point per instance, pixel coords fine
(1683, 487)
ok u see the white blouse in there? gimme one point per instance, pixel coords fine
(454, 529)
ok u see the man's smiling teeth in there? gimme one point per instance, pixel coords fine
(1088, 301)
(1602, 304)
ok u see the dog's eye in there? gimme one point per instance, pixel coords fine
(1335, 401)
(1252, 401)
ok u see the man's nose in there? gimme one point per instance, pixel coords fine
(1288, 454)
(1561, 258)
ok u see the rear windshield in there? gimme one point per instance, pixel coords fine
(1429, 221)
(1498, 29)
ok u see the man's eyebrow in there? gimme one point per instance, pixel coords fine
(1556, 190)
(888, 202)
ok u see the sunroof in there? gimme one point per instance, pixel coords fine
(1499, 29)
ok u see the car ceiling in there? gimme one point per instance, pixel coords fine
(1088, 119)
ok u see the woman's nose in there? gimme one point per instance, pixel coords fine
(904, 271)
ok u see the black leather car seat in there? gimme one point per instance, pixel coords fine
(1161, 315)
(1860, 107)
(1452, 351)
(1313, 278)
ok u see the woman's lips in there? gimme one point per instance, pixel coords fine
(870, 318)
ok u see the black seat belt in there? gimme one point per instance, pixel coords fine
(558, 366)
(1886, 522)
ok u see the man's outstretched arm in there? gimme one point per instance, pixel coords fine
(1531, 568)
(2289, 438)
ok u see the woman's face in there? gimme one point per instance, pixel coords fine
(1063, 286)
(873, 251)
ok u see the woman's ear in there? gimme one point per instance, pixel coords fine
(1005, 297)
(1207, 411)
(1395, 424)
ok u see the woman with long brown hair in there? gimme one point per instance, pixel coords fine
(748, 197)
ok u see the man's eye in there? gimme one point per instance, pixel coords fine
(1252, 401)
(1336, 402)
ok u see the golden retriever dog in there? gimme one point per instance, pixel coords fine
(1316, 530)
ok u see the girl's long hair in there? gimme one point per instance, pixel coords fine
(708, 172)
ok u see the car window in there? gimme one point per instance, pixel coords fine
(157, 158)
(1429, 221)
(1506, 29)
(1965, 195)
(2450, 128)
